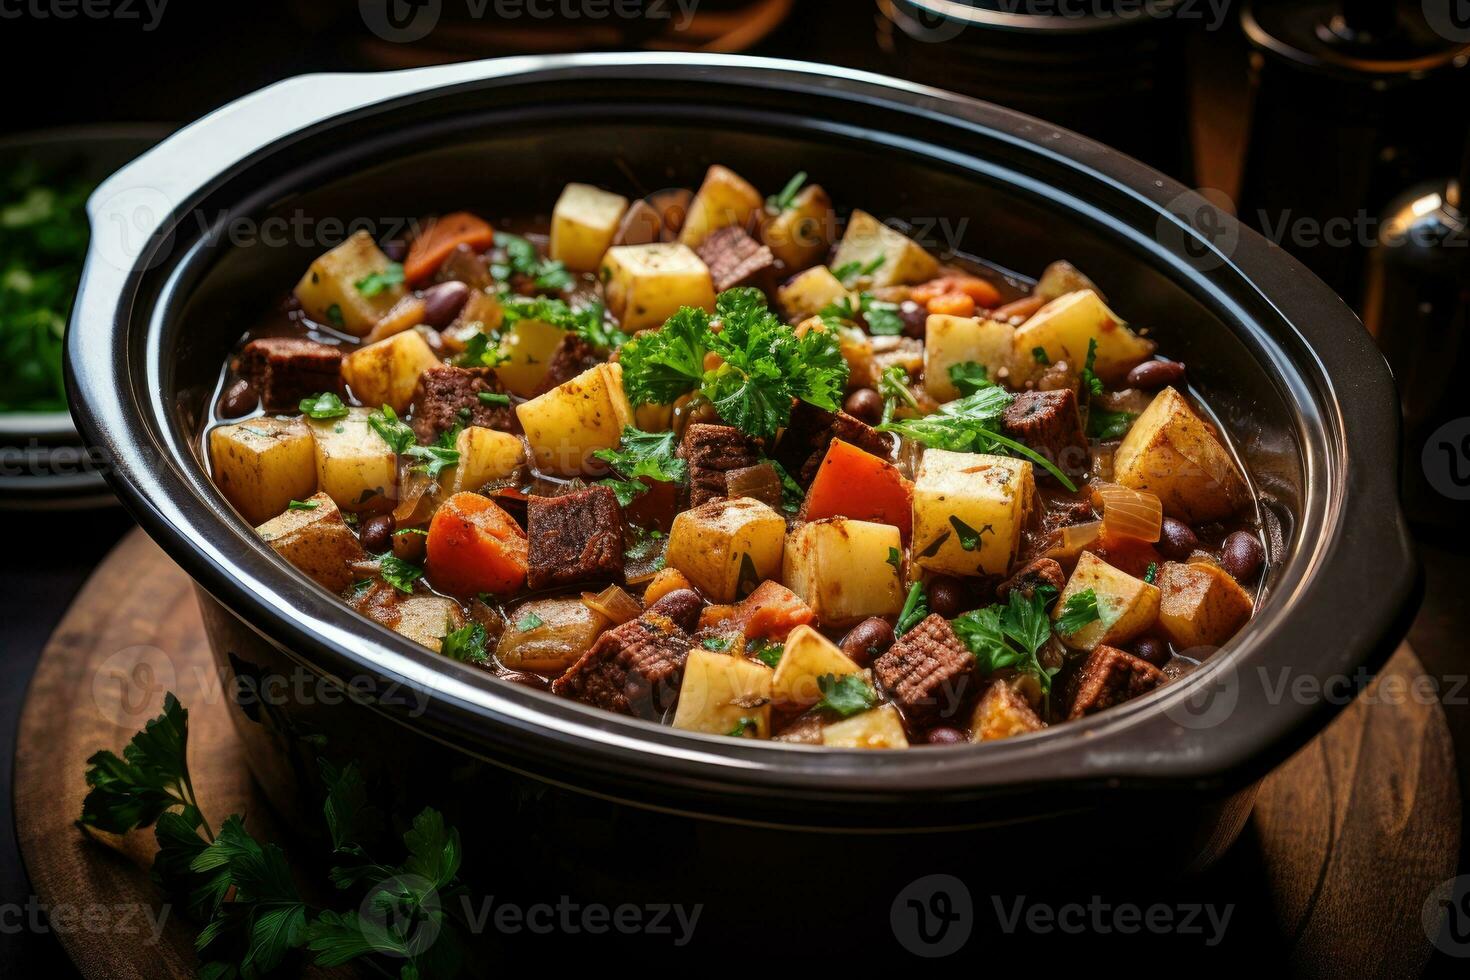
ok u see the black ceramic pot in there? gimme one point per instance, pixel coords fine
(615, 804)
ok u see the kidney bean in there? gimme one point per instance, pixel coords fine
(947, 596)
(239, 399)
(945, 735)
(867, 640)
(1153, 375)
(376, 533)
(865, 405)
(1242, 556)
(1177, 540)
(915, 318)
(443, 301)
(1152, 649)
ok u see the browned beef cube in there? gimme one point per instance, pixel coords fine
(681, 607)
(1041, 571)
(287, 369)
(572, 356)
(635, 668)
(736, 259)
(1048, 422)
(928, 672)
(812, 430)
(448, 396)
(712, 451)
(577, 537)
(1107, 677)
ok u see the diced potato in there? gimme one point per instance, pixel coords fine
(527, 346)
(484, 455)
(1200, 604)
(969, 511)
(482, 313)
(644, 285)
(1063, 329)
(727, 547)
(880, 728)
(386, 373)
(570, 422)
(841, 568)
(725, 198)
(405, 315)
(724, 695)
(567, 629)
(867, 240)
(583, 224)
(263, 464)
(317, 541)
(1170, 452)
(1001, 712)
(951, 340)
(354, 466)
(329, 291)
(799, 236)
(811, 292)
(807, 657)
(427, 619)
(1060, 278)
(1126, 606)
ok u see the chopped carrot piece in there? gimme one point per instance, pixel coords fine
(952, 304)
(441, 237)
(982, 292)
(474, 546)
(770, 612)
(856, 484)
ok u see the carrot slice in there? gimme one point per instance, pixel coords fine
(474, 546)
(982, 292)
(439, 238)
(856, 484)
(952, 304)
(770, 612)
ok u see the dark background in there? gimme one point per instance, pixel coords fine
(202, 55)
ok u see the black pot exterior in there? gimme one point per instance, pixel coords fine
(1284, 363)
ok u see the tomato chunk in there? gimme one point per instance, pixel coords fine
(858, 485)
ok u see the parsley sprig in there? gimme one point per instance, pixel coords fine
(971, 425)
(243, 890)
(882, 319)
(642, 454)
(522, 258)
(380, 282)
(777, 203)
(1079, 610)
(587, 322)
(1011, 635)
(764, 366)
(915, 610)
(845, 695)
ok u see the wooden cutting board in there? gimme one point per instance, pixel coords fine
(1353, 832)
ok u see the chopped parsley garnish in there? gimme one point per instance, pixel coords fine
(529, 622)
(743, 726)
(1011, 635)
(893, 385)
(780, 202)
(1079, 610)
(1091, 383)
(895, 558)
(1151, 575)
(764, 365)
(1038, 354)
(303, 505)
(768, 652)
(399, 573)
(433, 459)
(845, 695)
(718, 644)
(849, 272)
(395, 432)
(881, 318)
(480, 352)
(521, 258)
(969, 377)
(971, 425)
(1102, 424)
(324, 406)
(792, 495)
(379, 282)
(466, 644)
(969, 538)
(334, 315)
(915, 610)
(494, 398)
(587, 322)
(642, 454)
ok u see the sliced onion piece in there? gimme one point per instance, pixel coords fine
(613, 603)
(1129, 513)
(412, 488)
(1072, 540)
